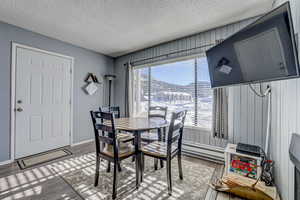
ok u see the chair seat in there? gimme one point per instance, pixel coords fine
(123, 152)
(149, 136)
(157, 148)
(125, 137)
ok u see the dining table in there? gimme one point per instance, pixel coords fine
(137, 126)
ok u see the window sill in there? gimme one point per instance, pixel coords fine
(197, 128)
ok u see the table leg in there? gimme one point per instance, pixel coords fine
(161, 139)
(137, 142)
(164, 134)
(159, 134)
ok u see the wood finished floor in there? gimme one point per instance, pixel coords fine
(41, 183)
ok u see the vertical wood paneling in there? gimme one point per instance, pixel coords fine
(284, 137)
(292, 127)
(259, 131)
(230, 114)
(251, 118)
(285, 120)
(245, 114)
(264, 116)
(248, 116)
(240, 108)
(237, 115)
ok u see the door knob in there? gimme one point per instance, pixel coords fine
(19, 109)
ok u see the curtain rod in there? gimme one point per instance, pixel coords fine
(176, 52)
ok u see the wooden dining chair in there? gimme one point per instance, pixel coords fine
(115, 110)
(167, 150)
(112, 109)
(155, 135)
(155, 112)
(110, 141)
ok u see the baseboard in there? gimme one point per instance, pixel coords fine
(202, 156)
(204, 147)
(211, 153)
(82, 142)
(6, 162)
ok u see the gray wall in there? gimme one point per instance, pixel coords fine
(247, 115)
(285, 120)
(246, 123)
(85, 61)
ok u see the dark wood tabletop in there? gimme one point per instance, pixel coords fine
(139, 124)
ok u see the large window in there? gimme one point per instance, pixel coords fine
(178, 85)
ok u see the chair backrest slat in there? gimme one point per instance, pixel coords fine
(176, 125)
(175, 138)
(179, 114)
(158, 111)
(106, 116)
(105, 128)
(112, 109)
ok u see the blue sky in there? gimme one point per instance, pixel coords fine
(181, 73)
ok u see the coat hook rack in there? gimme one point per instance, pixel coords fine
(91, 78)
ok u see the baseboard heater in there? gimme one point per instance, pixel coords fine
(207, 152)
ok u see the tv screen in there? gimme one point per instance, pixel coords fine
(263, 51)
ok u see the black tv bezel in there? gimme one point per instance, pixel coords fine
(295, 50)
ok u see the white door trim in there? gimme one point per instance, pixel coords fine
(13, 92)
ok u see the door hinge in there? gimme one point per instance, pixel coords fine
(70, 101)
(71, 71)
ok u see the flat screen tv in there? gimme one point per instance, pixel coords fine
(262, 51)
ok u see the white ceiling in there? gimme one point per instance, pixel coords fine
(117, 27)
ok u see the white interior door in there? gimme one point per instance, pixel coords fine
(43, 101)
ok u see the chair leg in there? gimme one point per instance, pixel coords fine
(119, 167)
(164, 134)
(155, 163)
(169, 176)
(115, 181)
(161, 163)
(137, 171)
(163, 138)
(142, 166)
(108, 167)
(97, 171)
(133, 157)
(180, 166)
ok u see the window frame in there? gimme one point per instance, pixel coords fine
(169, 61)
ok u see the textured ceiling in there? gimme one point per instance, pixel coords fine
(117, 27)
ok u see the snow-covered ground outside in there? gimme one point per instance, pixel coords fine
(204, 111)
